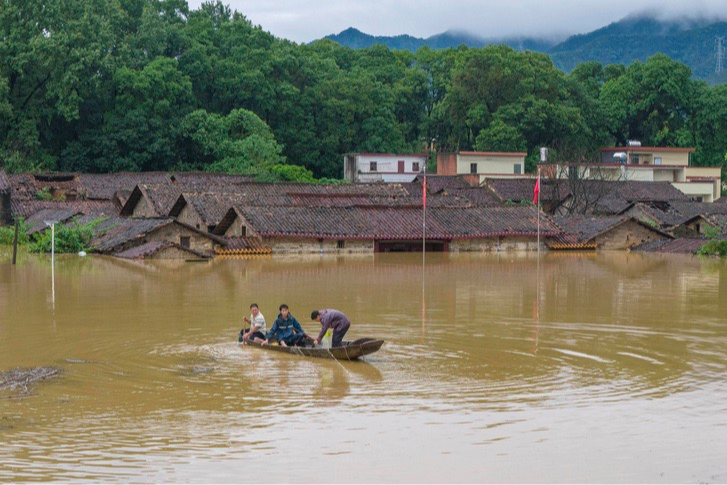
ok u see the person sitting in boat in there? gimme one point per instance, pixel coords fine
(286, 330)
(256, 332)
(334, 320)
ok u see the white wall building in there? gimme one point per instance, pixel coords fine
(383, 167)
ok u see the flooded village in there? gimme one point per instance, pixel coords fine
(487, 206)
(489, 248)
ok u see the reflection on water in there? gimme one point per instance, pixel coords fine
(586, 367)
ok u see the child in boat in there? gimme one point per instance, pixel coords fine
(286, 330)
(256, 332)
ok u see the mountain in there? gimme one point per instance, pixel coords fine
(635, 37)
(356, 39)
(691, 42)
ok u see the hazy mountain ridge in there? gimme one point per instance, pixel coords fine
(636, 37)
(356, 39)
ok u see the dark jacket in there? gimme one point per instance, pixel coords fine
(284, 328)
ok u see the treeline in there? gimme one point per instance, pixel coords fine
(114, 85)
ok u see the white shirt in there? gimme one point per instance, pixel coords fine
(258, 320)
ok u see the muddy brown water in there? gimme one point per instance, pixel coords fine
(587, 367)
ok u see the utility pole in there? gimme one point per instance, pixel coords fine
(719, 47)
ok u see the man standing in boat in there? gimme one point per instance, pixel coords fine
(334, 320)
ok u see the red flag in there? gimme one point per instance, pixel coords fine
(536, 192)
(424, 193)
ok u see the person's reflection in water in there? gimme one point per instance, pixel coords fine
(334, 380)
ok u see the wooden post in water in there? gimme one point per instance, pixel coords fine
(15, 242)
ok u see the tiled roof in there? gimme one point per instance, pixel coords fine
(25, 185)
(37, 220)
(680, 245)
(520, 189)
(26, 208)
(103, 186)
(690, 209)
(477, 196)
(437, 183)
(581, 230)
(667, 218)
(395, 223)
(721, 200)
(635, 191)
(211, 207)
(147, 249)
(120, 231)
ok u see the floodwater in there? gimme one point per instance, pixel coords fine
(586, 367)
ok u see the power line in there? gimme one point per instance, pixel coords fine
(719, 47)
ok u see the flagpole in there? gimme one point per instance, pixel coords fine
(424, 242)
(539, 189)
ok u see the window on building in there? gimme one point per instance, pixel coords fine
(340, 244)
(372, 166)
(184, 241)
(657, 160)
(573, 173)
(243, 231)
(415, 166)
(635, 159)
(518, 168)
(473, 168)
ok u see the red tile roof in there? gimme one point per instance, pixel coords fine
(394, 222)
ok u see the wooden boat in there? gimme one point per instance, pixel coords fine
(348, 351)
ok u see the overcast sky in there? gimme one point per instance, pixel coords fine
(304, 21)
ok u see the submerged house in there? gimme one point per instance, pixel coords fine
(385, 229)
(604, 232)
(161, 250)
(118, 235)
(150, 200)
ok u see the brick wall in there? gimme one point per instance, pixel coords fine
(494, 244)
(282, 245)
(627, 235)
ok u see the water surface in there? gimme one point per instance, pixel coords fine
(586, 367)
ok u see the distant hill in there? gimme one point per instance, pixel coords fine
(639, 37)
(636, 37)
(356, 39)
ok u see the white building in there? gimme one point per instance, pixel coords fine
(383, 167)
(662, 164)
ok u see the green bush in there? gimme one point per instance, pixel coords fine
(44, 194)
(714, 248)
(69, 239)
(711, 232)
(7, 234)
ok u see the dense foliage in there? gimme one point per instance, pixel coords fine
(7, 234)
(70, 238)
(112, 85)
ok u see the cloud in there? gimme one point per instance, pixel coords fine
(304, 21)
